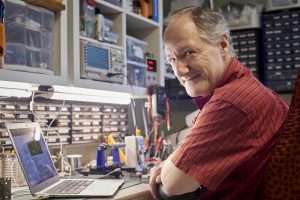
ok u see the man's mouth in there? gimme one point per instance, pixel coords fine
(192, 78)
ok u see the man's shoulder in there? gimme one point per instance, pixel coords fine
(243, 93)
(246, 87)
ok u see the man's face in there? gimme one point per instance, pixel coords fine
(197, 63)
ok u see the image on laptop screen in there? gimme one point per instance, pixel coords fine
(34, 156)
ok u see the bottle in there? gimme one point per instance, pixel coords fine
(140, 150)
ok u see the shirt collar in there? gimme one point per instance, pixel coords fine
(201, 101)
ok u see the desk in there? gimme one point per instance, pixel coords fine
(137, 192)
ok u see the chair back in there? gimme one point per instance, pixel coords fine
(282, 175)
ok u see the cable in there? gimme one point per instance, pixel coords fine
(70, 168)
(31, 105)
(132, 91)
(145, 122)
(49, 126)
(12, 172)
(109, 173)
(57, 133)
(62, 106)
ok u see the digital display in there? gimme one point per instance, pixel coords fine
(96, 57)
(151, 64)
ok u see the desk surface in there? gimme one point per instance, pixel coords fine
(135, 192)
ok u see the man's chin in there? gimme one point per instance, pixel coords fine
(194, 93)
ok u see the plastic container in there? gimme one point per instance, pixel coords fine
(29, 38)
(111, 37)
(47, 60)
(34, 17)
(136, 73)
(136, 49)
(15, 33)
(48, 20)
(108, 22)
(87, 18)
(15, 12)
(47, 40)
(33, 38)
(33, 58)
(15, 54)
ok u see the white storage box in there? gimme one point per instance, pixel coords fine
(136, 49)
(136, 73)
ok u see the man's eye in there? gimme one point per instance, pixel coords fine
(171, 60)
(187, 53)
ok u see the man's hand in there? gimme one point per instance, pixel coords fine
(155, 180)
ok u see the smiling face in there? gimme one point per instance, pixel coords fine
(197, 63)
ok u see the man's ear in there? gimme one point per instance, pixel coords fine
(224, 45)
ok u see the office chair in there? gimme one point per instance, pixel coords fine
(282, 175)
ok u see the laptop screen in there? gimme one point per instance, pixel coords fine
(33, 154)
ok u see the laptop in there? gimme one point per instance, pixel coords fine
(40, 172)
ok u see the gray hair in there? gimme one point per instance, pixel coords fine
(210, 23)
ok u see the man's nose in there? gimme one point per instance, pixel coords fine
(180, 68)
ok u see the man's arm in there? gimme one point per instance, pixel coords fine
(172, 179)
(175, 181)
(155, 179)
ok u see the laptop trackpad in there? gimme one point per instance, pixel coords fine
(103, 187)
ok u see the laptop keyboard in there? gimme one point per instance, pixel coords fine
(70, 187)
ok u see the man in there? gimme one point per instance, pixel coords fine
(225, 152)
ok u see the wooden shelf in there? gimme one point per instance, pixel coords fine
(52, 5)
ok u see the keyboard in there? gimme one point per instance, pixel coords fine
(70, 187)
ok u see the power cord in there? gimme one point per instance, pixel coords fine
(31, 107)
(109, 173)
(12, 172)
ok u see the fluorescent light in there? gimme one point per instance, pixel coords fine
(17, 85)
(15, 89)
(14, 93)
(93, 92)
(90, 95)
(18, 89)
(89, 98)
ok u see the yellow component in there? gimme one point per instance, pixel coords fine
(111, 140)
(122, 156)
(137, 132)
(2, 41)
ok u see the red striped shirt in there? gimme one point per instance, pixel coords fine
(232, 136)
